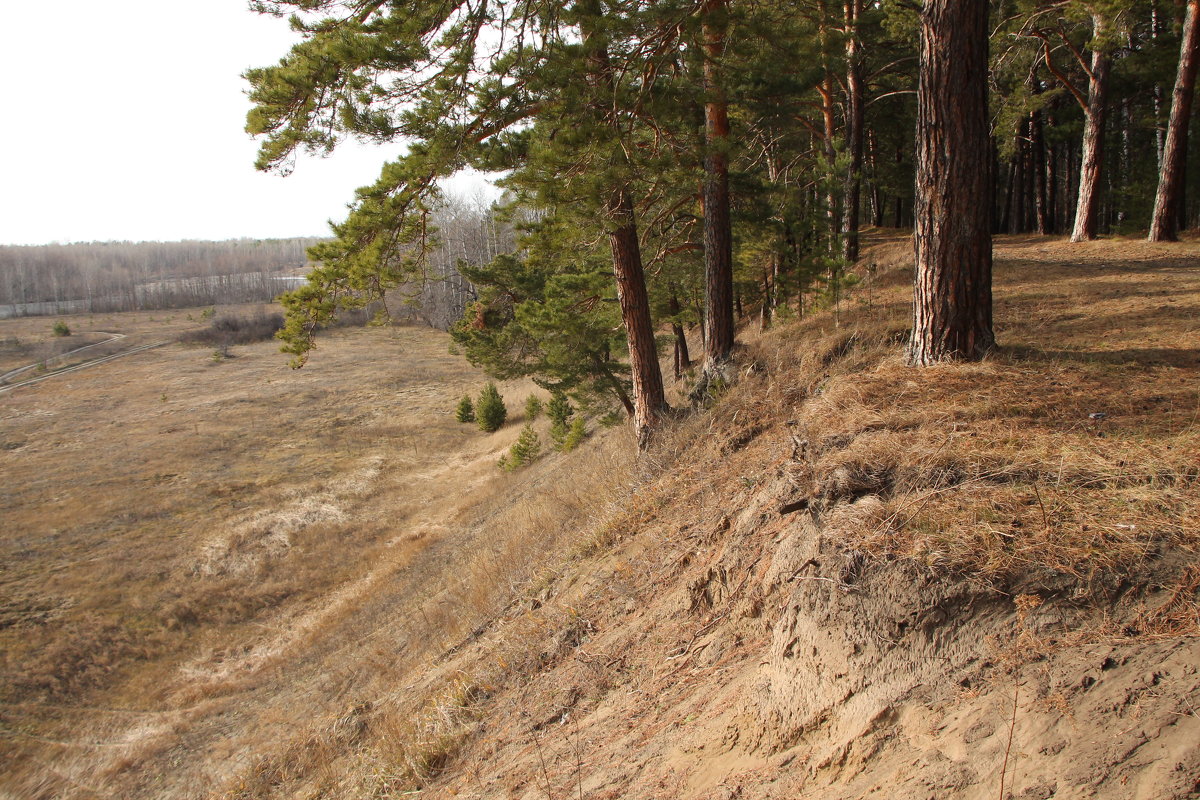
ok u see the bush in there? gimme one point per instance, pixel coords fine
(61, 329)
(490, 411)
(229, 329)
(533, 407)
(559, 411)
(575, 436)
(465, 412)
(524, 450)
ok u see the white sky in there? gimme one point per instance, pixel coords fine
(124, 122)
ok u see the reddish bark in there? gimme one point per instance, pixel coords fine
(1094, 117)
(1164, 226)
(952, 303)
(854, 132)
(649, 399)
(718, 237)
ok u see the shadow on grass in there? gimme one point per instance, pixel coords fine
(1144, 356)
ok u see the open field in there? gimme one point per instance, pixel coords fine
(176, 528)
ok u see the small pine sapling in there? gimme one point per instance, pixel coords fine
(465, 412)
(61, 329)
(524, 450)
(559, 411)
(575, 436)
(490, 411)
(533, 408)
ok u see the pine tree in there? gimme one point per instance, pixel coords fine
(533, 407)
(575, 435)
(952, 304)
(465, 412)
(524, 451)
(1165, 219)
(490, 411)
(548, 313)
(559, 411)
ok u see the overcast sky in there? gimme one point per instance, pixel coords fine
(123, 121)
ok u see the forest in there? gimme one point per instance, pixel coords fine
(124, 276)
(670, 164)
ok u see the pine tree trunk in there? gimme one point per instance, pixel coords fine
(852, 185)
(649, 399)
(952, 303)
(874, 195)
(829, 132)
(1052, 190)
(1005, 217)
(682, 358)
(1165, 221)
(1037, 146)
(1092, 160)
(768, 269)
(1072, 188)
(718, 237)
(1016, 220)
(1160, 132)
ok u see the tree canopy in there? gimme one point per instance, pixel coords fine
(672, 162)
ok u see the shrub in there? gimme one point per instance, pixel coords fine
(465, 412)
(490, 411)
(575, 436)
(559, 411)
(229, 329)
(533, 407)
(524, 450)
(61, 329)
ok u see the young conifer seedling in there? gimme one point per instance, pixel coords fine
(490, 411)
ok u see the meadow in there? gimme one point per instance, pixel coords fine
(179, 527)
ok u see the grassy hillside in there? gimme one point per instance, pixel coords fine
(846, 578)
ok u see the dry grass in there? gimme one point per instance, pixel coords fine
(180, 532)
(1074, 449)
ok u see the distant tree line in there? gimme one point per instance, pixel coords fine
(123, 276)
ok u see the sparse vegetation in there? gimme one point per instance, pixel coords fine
(236, 328)
(371, 609)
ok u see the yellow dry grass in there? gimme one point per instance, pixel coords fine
(201, 555)
(1074, 448)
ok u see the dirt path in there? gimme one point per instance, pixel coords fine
(91, 363)
(112, 337)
